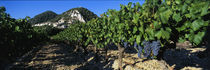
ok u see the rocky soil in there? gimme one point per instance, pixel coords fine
(187, 59)
(63, 57)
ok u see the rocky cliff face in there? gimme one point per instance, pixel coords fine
(63, 23)
(69, 17)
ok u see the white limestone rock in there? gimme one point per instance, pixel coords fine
(75, 15)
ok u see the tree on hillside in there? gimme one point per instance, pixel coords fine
(43, 17)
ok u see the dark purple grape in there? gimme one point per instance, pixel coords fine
(155, 47)
(139, 51)
(147, 51)
(125, 44)
(135, 45)
(147, 48)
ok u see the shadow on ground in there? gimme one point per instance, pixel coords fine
(185, 58)
(51, 57)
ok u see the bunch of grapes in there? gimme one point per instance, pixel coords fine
(139, 51)
(125, 44)
(149, 47)
(155, 45)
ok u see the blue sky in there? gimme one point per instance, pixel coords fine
(20, 9)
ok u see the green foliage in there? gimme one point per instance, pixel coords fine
(17, 36)
(130, 24)
(10, 27)
(47, 30)
(187, 20)
(43, 17)
(72, 33)
(154, 20)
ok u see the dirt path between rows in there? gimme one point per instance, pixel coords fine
(51, 57)
(63, 57)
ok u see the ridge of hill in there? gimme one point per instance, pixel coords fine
(43, 17)
(74, 15)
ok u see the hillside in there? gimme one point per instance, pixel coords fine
(71, 16)
(85, 13)
(43, 17)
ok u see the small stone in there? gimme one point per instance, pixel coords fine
(90, 59)
(128, 67)
(191, 68)
(129, 60)
(116, 63)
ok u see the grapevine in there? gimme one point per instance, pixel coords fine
(147, 27)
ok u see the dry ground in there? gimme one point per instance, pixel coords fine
(63, 57)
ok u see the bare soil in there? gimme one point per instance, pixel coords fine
(63, 57)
